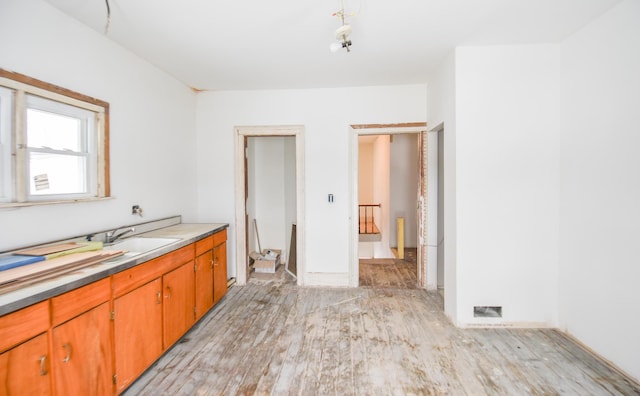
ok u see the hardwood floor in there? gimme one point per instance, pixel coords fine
(272, 337)
(394, 273)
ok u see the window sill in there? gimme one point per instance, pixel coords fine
(4, 205)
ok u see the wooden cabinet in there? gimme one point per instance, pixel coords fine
(24, 351)
(82, 358)
(97, 339)
(219, 265)
(203, 276)
(24, 369)
(211, 271)
(137, 331)
(141, 295)
(178, 304)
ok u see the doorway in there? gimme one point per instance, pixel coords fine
(270, 205)
(388, 186)
(246, 205)
(390, 129)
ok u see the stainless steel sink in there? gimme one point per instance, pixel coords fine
(139, 245)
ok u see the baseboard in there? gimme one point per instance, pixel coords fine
(329, 279)
(496, 323)
(604, 360)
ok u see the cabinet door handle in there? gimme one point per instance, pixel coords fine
(43, 365)
(168, 291)
(67, 348)
(159, 301)
(212, 263)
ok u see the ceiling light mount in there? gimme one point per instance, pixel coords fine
(342, 33)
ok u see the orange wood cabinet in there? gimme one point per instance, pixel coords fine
(137, 331)
(153, 305)
(178, 305)
(97, 339)
(82, 350)
(24, 351)
(204, 276)
(24, 369)
(82, 357)
(219, 265)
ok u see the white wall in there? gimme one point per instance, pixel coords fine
(381, 195)
(290, 204)
(440, 222)
(271, 191)
(326, 115)
(442, 110)
(507, 139)
(600, 193)
(403, 188)
(152, 119)
(251, 198)
(365, 171)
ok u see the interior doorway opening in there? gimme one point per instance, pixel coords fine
(287, 172)
(271, 204)
(388, 187)
(419, 130)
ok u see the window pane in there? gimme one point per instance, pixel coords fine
(56, 131)
(56, 174)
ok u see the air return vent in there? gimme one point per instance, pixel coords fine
(487, 312)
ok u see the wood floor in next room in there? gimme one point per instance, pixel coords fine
(390, 272)
(271, 337)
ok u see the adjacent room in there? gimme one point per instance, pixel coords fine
(326, 197)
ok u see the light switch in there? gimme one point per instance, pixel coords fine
(330, 198)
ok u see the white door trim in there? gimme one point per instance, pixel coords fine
(354, 268)
(241, 132)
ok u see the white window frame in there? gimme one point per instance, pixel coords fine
(6, 163)
(17, 94)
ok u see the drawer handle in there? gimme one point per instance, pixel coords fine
(43, 365)
(67, 349)
(159, 300)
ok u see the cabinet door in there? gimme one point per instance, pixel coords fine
(138, 331)
(204, 283)
(178, 304)
(24, 370)
(219, 272)
(82, 354)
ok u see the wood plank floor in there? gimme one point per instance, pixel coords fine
(271, 337)
(393, 273)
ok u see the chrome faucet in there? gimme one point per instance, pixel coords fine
(111, 236)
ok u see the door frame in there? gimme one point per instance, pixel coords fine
(384, 129)
(241, 133)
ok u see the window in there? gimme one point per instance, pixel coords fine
(52, 143)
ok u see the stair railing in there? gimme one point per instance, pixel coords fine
(367, 220)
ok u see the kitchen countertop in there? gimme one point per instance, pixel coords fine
(185, 233)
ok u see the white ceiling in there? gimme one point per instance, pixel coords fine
(257, 44)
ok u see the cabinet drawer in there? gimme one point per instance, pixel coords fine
(132, 278)
(219, 237)
(203, 245)
(73, 303)
(24, 324)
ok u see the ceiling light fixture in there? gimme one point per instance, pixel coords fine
(342, 33)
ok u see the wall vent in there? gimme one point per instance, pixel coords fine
(487, 312)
